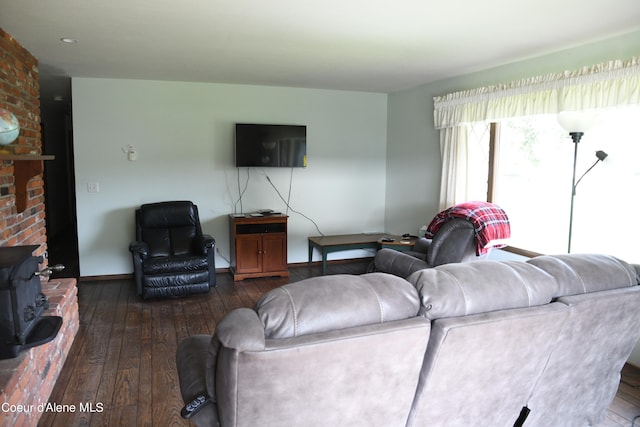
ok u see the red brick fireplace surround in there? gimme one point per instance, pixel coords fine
(20, 94)
(27, 380)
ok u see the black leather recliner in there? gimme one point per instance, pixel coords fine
(171, 256)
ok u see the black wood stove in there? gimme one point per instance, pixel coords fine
(22, 302)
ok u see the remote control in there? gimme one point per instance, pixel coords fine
(191, 408)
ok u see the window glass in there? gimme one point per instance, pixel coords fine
(534, 181)
(534, 184)
(608, 198)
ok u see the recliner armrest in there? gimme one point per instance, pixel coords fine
(422, 245)
(398, 263)
(140, 248)
(204, 244)
(637, 268)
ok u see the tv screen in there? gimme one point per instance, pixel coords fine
(259, 145)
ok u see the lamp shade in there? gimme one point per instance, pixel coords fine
(577, 121)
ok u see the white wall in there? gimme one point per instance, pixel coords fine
(183, 133)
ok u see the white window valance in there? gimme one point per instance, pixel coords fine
(603, 85)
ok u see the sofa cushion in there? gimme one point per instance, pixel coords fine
(460, 289)
(583, 273)
(328, 303)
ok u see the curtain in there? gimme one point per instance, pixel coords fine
(604, 85)
(455, 166)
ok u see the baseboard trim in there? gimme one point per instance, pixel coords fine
(129, 276)
(105, 277)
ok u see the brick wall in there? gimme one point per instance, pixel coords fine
(26, 381)
(19, 93)
(29, 378)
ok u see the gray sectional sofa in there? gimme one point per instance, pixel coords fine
(537, 343)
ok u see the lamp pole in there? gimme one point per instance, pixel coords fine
(576, 123)
(575, 136)
(601, 155)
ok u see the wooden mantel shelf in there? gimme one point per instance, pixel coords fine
(27, 157)
(25, 167)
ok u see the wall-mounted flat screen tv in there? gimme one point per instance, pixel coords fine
(259, 145)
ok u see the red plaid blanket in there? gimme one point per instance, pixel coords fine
(489, 221)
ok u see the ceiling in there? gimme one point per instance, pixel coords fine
(362, 45)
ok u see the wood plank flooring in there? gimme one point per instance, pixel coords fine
(123, 358)
(122, 362)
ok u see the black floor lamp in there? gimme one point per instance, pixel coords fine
(577, 123)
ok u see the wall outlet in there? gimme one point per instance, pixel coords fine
(93, 187)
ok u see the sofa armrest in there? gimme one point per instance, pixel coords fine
(398, 263)
(241, 330)
(192, 357)
(197, 359)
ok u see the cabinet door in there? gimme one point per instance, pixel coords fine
(274, 251)
(248, 253)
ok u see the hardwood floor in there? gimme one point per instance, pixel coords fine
(123, 358)
(626, 406)
(122, 362)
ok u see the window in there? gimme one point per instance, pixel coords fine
(533, 176)
(529, 172)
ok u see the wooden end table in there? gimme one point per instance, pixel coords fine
(344, 242)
